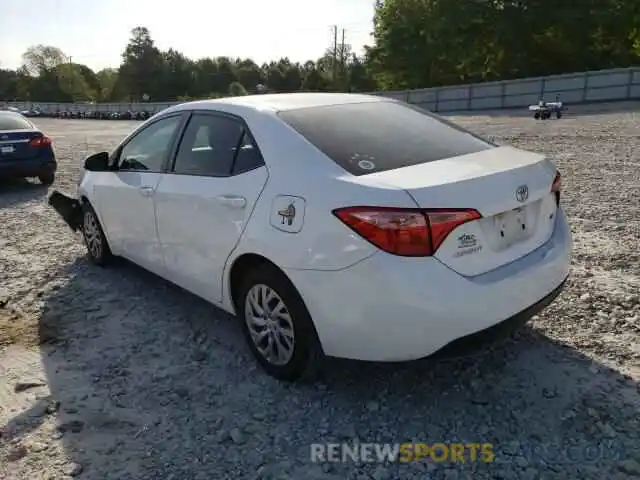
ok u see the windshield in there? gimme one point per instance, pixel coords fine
(377, 136)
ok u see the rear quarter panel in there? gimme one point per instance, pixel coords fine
(297, 169)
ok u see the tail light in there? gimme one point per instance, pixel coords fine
(556, 187)
(405, 232)
(38, 142)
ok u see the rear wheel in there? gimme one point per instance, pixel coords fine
(47, 178)
(277, 325)
(94, 238)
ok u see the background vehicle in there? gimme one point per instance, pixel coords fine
(24, 150)
(330, 224)
(544, 110)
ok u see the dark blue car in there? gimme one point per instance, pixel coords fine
(24, 150)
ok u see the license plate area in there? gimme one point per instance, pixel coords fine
(7, 149)
(513, 226)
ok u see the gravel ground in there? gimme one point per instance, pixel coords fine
(115, 374)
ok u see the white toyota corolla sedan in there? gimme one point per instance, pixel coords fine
(340, 225)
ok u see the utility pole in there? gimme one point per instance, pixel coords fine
(335, 52)
(343, 61)
(342, 52)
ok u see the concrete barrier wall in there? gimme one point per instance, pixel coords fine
(573, 88)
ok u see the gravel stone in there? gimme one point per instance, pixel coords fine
(237, 436)
(73, 469)
(381, 473)
(162, 382)
(16, 453)
(373, 406)
(630, 467)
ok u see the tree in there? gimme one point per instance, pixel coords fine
(314, 79)
(420, 43)
(359, 77)
(141, 66)
(248, 73)
(73, 84)
(8, 84)
(236, 89)
(417, 44)
(274, 77)
(177, 74)
(108, 83)
(24, 83)
(42, 58)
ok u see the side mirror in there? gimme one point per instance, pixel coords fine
(98, 162)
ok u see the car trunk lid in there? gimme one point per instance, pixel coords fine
(510, 188)
(16, 144)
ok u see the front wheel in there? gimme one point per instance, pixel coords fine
(94, 238)
(277, 325)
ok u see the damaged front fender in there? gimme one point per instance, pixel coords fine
(69, 208)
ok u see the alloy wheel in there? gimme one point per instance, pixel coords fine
(92, 234)
(270, 324)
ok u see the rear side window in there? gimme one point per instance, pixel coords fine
(377, 136)
(14, 121)
(208, 146)
(216, 146)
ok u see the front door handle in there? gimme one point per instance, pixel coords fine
(233, 201)
(146, 191)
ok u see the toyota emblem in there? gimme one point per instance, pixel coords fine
(522, 193)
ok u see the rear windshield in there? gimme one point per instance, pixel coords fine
(377, 136)
(14, 121)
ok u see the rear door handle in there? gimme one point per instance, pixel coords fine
(232, 201)
(146, 191)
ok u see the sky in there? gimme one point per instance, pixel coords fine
(95, 32)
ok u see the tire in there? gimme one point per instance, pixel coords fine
(302, 360)
(95, 240)
(536, 116)
(47, 179)
(559, 115)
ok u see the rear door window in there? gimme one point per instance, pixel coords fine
(378, 136)
(208, 146)
(216, 145)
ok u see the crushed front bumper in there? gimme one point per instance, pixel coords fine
(69, 208)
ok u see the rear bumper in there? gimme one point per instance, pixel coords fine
(32, 167)
(479, 340)
(69, 208)
(389, 308)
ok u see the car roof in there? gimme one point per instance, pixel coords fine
(277, 102)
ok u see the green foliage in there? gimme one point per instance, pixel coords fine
(236, 89)
(423, 43)
(417, 44)
(147, 72)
